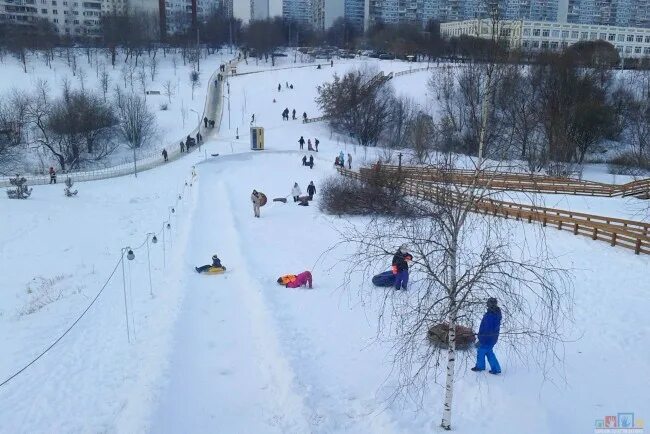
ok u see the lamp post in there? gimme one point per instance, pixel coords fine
(130, 256)
(154, 240)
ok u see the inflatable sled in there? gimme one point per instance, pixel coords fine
(263, 198)
(287, 278)
(387, 278)
(211, 270)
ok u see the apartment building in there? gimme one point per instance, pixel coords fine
(631, 42)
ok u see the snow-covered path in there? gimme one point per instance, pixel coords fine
(215, 383)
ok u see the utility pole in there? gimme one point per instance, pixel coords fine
(230, 32)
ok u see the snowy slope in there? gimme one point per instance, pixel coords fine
(239, 353)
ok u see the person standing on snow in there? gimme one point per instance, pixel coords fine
(302, 142)
(279, 87)
(311, 162)
(294, 114)
(342, 159)
(350, 161)
(311, 190)
(296, 192)
(52, 176)
(304, 160)
(400, 267)
(309, 147)
(164, 154)
(304, 116)
(205, 122)
(488, 334)
(316, 143)
(256, 198)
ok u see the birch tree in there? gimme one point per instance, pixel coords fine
(461, 258)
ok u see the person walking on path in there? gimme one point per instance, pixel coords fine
(349, 161)
(182, 147)
(400, 267)
(52, 175)
(311, 190)
(205, 122)
(256, 199)
(302, 142)
(311, 162)
(164, 154)
(488, 334)
(296, 192)
(304, 116)
(279, 87)
(316, 143)
(294, 114)
(304, 160)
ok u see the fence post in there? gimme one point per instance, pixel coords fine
(613, 238)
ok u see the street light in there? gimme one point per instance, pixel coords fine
(198, 117)
(130, 256)
(154, 240)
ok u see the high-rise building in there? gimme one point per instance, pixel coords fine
(298, 11)
(356, 13)
(259, 9)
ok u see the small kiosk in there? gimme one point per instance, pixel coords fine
(257, 138)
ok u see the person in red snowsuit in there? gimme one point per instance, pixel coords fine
(302, 279)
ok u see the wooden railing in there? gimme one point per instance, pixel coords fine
(525, 182)
(630, 234)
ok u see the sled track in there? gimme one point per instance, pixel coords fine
(630, 234)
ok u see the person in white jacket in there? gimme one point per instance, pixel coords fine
(296, 192)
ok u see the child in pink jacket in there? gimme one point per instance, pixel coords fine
(302, 279)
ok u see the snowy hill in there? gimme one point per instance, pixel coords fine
(239, 353)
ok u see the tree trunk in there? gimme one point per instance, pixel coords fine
(451, 352)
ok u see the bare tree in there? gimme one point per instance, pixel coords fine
(195, 81)
(105, 82)
(136, 124)
(168, 89)
(460, 259)
(153, 68)
(81, 75)
(142, 80)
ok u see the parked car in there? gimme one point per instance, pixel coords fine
(386, 56)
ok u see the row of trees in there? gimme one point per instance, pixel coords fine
(76, 128)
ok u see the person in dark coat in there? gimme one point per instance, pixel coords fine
(316, 143)
(304, 160)
(294, 113)
(164, 154)
(302, 142)
(205, 122)
(279, 87)
(488, 334)
(311, 162)
(304, 116)
(182, 147)
(216, 265)
(52, 176)
(311, 190)
(400, 267)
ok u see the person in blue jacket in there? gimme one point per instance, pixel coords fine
(400, 267)
(488, 334)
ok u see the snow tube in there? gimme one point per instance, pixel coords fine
(263, 199)
(387, 278)
(214, 270)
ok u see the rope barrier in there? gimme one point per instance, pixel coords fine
(99, 293)
(21, 370)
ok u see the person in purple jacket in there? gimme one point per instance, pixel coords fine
(488, 334)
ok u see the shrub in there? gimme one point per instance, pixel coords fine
(381, 195)
(629, 162)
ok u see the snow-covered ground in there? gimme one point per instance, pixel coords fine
(239, 353)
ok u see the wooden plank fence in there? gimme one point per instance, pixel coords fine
(629, 234)
(525, 182)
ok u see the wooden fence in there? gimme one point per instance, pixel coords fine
(630, 234)
(525, 182)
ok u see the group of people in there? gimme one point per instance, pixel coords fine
(208, 122)
(340, 160)
(190, 141)
(309, 163)
(310, 147)
(285, 114)
(296, 192)
(286, 86)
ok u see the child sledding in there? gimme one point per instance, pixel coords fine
(214, 268)
(296, 280)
